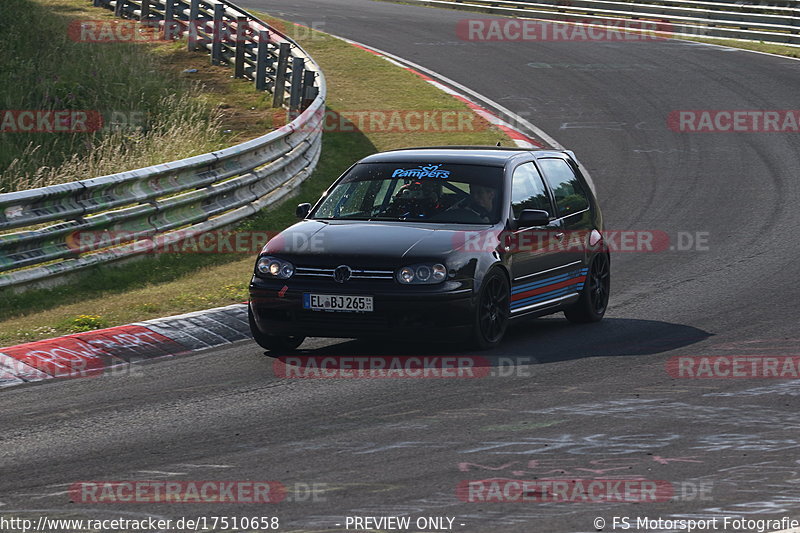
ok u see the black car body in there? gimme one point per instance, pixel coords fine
(436, 240)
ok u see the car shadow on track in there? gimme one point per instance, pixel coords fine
(554, 339)
(544, 340)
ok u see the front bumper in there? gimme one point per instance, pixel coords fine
(277, 308)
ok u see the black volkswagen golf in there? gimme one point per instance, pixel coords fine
(436, 241)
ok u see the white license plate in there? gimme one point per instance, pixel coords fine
(337, 302)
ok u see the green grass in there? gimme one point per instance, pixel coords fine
(770, 48)
(159, 285)
(45, 69)
(164, 284)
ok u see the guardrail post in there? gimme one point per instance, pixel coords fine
(173, 29)
(194, 14)
(296, 88)
(280, 75)
(216, 39)
(309, 91)
(144, 14)
(169, 10)
(241, 45)
(261, 61)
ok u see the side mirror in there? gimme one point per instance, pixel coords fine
(533, 217)
(302, 210)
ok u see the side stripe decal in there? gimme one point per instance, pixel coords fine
(548, 288)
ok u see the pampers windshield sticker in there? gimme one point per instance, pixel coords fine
(431, 171)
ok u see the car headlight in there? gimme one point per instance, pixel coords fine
(272, 267)
(422, 274)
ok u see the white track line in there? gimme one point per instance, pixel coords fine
(476, 95)
(452, 83)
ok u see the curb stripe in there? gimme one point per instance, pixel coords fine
(93, 352)
(88, 353)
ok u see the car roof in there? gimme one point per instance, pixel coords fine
(469, 155)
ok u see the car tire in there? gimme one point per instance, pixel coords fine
(273, 343)
(593, 301)
(492, 311)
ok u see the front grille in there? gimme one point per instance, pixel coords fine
(327, 273)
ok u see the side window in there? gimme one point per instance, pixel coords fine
(527, 190)
(569, 194)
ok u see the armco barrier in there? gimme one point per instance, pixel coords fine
(175, 200)
(775, 24)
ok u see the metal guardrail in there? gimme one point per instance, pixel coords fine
(232, 36)
(174, 201)
(775, 24)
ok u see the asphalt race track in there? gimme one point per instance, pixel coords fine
(581, 402)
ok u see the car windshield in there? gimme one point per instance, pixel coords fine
(424, 192)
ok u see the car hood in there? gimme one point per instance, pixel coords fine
(330, 241)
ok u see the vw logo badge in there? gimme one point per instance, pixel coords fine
(342, 273)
